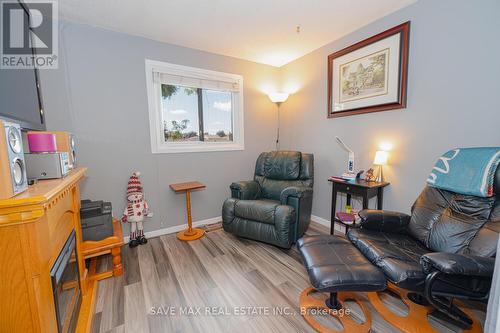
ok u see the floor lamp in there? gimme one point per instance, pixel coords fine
(278, 98)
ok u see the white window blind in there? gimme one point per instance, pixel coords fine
(196, 81)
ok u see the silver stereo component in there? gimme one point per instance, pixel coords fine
(47, 165)
(15, 163)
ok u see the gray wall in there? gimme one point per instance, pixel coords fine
(453, 89)
(99, 94)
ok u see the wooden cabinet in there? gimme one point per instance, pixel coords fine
(34, 227)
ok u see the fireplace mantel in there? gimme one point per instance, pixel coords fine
(33, 229)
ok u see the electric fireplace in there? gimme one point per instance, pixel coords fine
(66, 286)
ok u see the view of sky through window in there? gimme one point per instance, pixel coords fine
(180, 111)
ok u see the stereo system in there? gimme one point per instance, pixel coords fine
(16, 168)
(13, 178)
(47, 165)
(65, 143)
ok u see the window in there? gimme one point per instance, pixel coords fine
(193, 110)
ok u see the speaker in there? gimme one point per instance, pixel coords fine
(65, 143)
(13, 178)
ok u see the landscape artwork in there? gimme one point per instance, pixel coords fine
(364, 77)
(370, 75)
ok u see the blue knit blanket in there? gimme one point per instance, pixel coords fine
(468, 171)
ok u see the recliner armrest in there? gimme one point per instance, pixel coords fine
(295, 191)
(245, 190)
(458, 264)
(384, 220)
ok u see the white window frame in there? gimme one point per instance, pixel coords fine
(158, 144)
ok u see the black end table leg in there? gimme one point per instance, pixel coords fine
(380, 198)
(334, 207)
(365, 200)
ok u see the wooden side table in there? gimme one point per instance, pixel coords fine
(111, 245)
(356, 187)
(190, 233)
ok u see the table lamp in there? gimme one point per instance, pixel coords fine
(380, 160)
(278, 98)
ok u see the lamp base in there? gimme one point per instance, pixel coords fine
(380, 175)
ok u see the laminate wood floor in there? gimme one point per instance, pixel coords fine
(222, 283)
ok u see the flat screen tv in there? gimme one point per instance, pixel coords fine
(20, 94)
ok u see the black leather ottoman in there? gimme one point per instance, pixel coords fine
(336, 267)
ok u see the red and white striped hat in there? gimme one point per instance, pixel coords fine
(134, 184)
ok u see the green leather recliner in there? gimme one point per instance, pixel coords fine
(275, 207)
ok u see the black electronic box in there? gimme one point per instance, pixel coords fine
(96, 218)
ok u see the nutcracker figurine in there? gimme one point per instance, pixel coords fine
(137, 208)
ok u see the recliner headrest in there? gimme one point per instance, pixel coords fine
(279, 165)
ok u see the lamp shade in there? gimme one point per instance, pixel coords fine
(381, 157)
(278, 97)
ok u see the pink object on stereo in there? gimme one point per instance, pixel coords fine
(42, 142)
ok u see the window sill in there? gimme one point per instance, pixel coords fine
(174, 148)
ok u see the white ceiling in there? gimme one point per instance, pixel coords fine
(258, 30)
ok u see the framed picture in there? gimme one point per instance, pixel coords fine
(369, 76)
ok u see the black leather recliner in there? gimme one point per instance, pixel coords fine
(444, 250)
(276, 206)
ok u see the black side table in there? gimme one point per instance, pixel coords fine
(356, 187)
